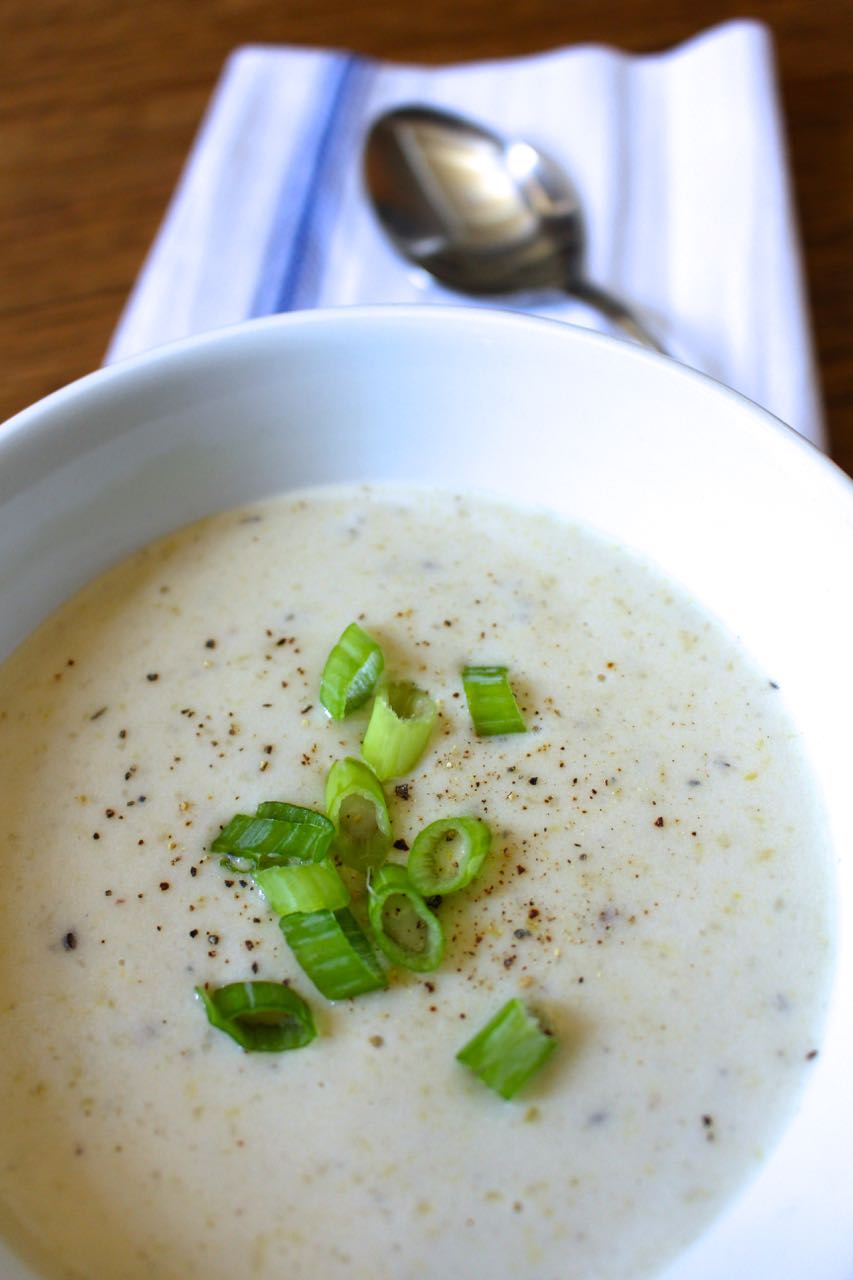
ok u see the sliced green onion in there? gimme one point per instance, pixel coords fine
(419, 943)
(303, 887)
(334, 953)
(509, 1049)
(401, 722)
(447, 855)
(490, 701)
(355, 803)
(277, 834)
(263, 1017)
(351, 672)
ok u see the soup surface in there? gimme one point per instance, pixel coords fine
(658, 888)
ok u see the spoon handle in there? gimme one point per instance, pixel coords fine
(617, 311)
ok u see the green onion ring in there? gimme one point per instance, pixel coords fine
(263, 1017)
(334, 953)
(303, 887)
(448, 854)
(355, 803)
(351, 671)
(389, 882)
(491, 702)
(509, 1049)
(401, 721)
(274, 836)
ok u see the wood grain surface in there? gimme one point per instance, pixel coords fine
(100, 99)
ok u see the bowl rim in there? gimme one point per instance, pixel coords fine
(109, 377)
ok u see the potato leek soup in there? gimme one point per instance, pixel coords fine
(656, 895)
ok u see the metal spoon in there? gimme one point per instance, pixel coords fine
(482, 214)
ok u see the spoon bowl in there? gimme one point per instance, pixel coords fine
(483, 214)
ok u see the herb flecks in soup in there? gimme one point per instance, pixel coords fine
(656, 889)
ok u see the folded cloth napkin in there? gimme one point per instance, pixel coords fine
(678, 159)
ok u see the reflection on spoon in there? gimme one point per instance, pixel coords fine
(482, 214)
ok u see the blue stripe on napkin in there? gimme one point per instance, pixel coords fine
(310, 196)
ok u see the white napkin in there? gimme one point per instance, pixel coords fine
(678, 158)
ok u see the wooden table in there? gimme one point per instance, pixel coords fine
(99, 101)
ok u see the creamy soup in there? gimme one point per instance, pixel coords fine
(657, 888)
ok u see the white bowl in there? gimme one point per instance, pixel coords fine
(727, 501)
